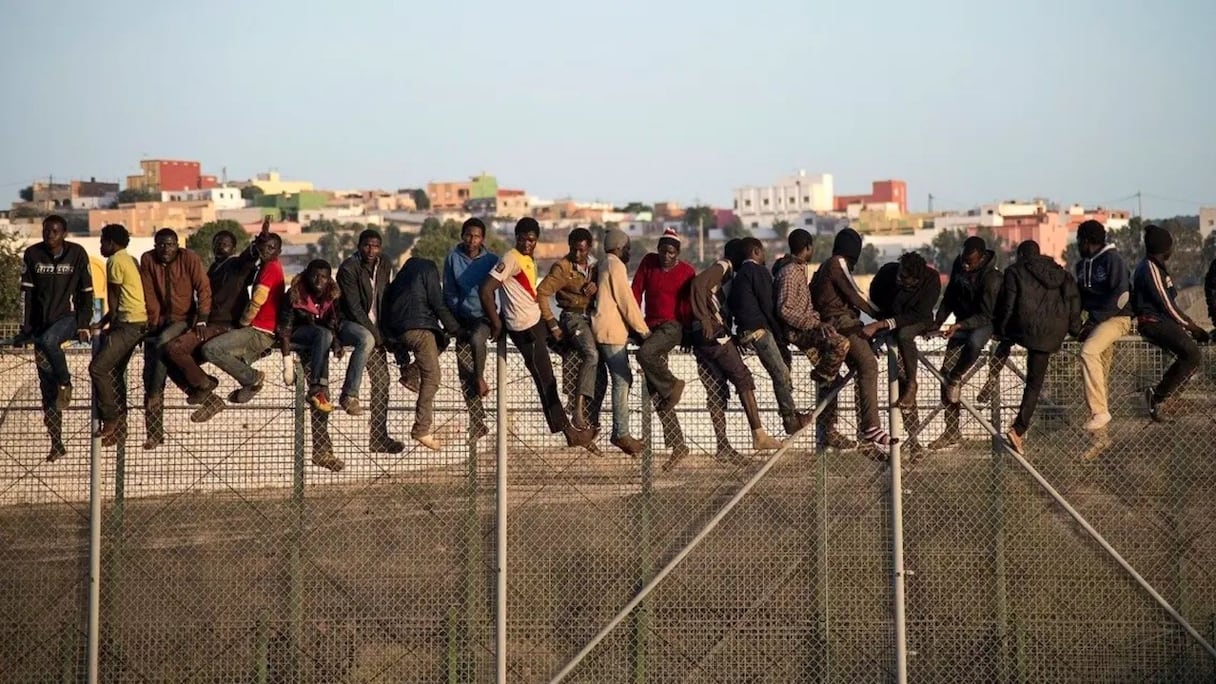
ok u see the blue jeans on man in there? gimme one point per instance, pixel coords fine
(235, 351)
(362, 340)
(616, 359)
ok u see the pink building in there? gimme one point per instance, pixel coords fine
(1045, 228)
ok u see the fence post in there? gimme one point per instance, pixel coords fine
(296, 592)
(897, 520)
(997, 497)
(823, 616)
(500, 550)
(641, 618)
(94, 654)
(468, 627)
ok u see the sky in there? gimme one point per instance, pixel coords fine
(1075, 100)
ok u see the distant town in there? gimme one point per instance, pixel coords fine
(177, 194)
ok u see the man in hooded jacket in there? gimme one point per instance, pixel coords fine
(1040, 306)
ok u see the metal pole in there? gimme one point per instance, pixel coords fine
(897, 520)
(997, 484)
(500, 550)
(1080, 520)
(688, 548)
(94, 548)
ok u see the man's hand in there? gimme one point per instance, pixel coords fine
(265, 226)
(495, 330)
(338, 350)
(84, 334)
(289, 370)
(873, 329)
(589, 289)
(555, 331)
(1199, 334)
(950, 330)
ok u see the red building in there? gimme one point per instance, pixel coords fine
(894, 191)
(168, 175)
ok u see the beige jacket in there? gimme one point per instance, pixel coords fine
(616, 311)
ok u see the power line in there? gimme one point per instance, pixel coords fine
(1175, 200)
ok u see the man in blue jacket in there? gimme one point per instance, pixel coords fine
(1104, 283)
(465, 268)
(1160, 320)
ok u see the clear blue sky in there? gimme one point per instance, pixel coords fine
(1077, 100)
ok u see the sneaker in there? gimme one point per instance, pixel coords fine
(57, 452)
(64, 398)
(678, 453)
(210, 408)
(108, 430)
(477, 431)
(1097, 422)
(1155, 409)
(879, 437)
(350, 405)
(1099, 447)
(761, 441)
(324, 457)
(947, 441)
(727, 454)
(429, 441)
(628, 444)
(1016, 442)
(907, 400)
(796, 422)
(385, 445)
(836, 440)
(673, 399)
(198, 395)
(320, 401)
(244, 395)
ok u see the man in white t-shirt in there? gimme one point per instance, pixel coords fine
(515, 275)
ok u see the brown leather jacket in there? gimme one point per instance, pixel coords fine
(567, 283)
(177, 291)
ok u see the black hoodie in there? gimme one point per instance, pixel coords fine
(903, 307)
(1040, 305)
(971, 297)
(834, 293)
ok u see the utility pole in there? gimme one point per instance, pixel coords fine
(930, 203)
(700, 231)
(1139, 205)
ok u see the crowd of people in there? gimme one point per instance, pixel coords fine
(241, 308)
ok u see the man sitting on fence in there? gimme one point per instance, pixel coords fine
(719, 362)
(516, 276)
(123, 328)
(58, 305)
(1104, 283)
(971, 296)
(464, 270)
(905, 293)
(1209, 294)
(1040, 306)
(753, 308)
(1162, 322)
(617, 317)
(661, 287)
(417, 317)
(571, 280)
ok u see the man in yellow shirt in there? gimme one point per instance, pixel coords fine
(124, 326)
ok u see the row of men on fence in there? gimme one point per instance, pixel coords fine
(237, 310)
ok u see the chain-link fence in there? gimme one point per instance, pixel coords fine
(227, 555)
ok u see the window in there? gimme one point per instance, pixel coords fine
(736, 204)
(748, 202)
(766, 201)
(806, 198)
(808, 222)
(755, 224)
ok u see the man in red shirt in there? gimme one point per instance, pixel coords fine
(235, 350)
(662, 286)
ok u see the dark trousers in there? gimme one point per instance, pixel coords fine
(1176, 340)
(861, 360)
(962, 351)
(108, 369)
(582, 370)
(184, 357)
(905, 342)
(652, 357)
(53, 370)
(532, 344)
(1036, 373)
(156, 369)
(471, 366)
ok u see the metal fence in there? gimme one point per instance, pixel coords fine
(225, 555)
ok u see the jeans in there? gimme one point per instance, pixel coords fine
(1036, 373)
(905, 342)
(471, 366)
(1176, 340)
(652, 357)
(155, 368)
(532, 345)
(235, 351)
(355, 335)
(184, 357)
(108, 368)
(616, 359)
(47, 344)
(585, 356)
(1097, 352)
(421, 343)
(861, 360)
(970, 344)
(315, 341)
(769, 350)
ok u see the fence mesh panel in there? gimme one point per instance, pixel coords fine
(229, 556)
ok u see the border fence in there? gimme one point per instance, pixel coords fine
(225, 555)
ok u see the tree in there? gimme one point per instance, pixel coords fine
(252, 193)
(322, 226)
(131, 195)
(395, 243)
(421, 201)
(26, 194)
(635, 208)
(782, 228)
(436, 239)
(10, 276)
(200, 241)
(947, 245)
(1189, 262)
(704, 216)
(868, 262)
(735, 229)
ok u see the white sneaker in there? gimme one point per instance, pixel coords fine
(430, 442)
(1099, 421)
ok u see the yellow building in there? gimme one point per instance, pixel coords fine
(272, 184)
(145, 218)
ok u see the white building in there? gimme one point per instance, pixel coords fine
(221, 198)
(1207, 221)
(794, 199)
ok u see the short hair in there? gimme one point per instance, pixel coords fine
(748, 245)
(164, 233)
(578, 235)
(275, 240)
(318, 264)
(55, 220)
(1092, 231)
(527, 225)
(473, 223)
(974, 244)
(369, 234)
(117, 234)
(1028, 249)
(224, 233)
(799, 239)
(913, 266)
(731, 250)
